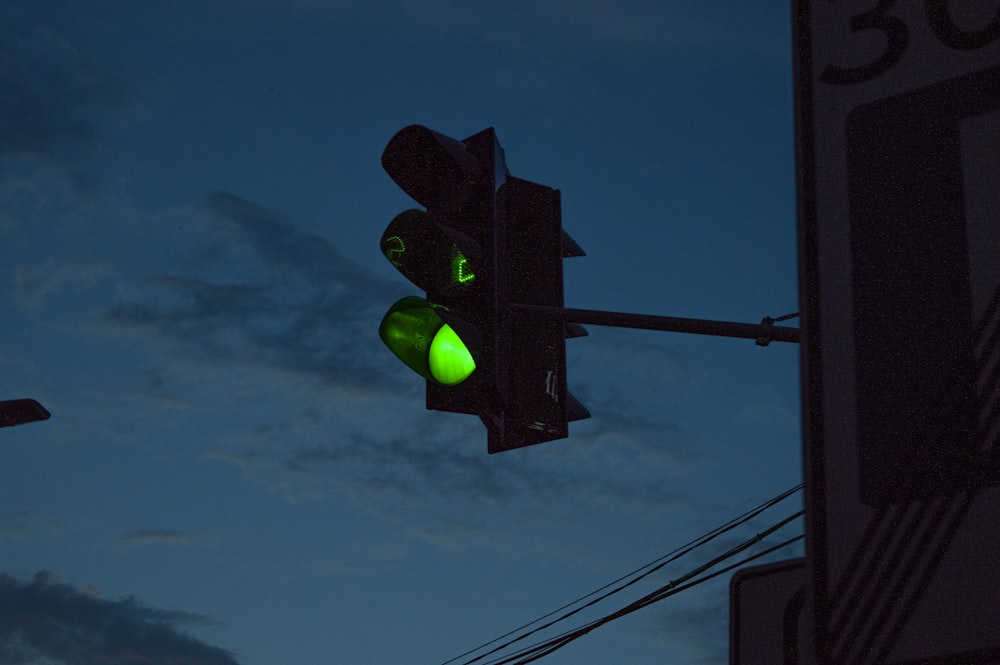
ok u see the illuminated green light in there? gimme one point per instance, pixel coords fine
(394, 248)
(461, 273)
(450, 360)
(424, 251)
(414, 331)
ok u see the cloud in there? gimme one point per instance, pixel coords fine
(276, 242)
(264, 293)
(33, 283)
(158, 536)
(54, 94)
(429, 474)
(47, 621)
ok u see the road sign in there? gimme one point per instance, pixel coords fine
(898, 149)
(769, 621)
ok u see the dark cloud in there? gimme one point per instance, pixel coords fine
(438, 461)
(265, 293)
(54, 94)
(276, 242)
(47, 621)
(421, 469)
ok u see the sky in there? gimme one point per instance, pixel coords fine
(236, 470)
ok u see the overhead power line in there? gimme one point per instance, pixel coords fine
(646, 570)
(541, 649)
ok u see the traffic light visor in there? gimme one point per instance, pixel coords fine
(438, 171)
(414, 331)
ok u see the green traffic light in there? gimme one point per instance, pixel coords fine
(425, 254)
(414, 331)
(449, 358)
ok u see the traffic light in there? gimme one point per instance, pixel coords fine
(21, 411)
(484, 241)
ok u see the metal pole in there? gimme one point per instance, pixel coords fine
(764, 332)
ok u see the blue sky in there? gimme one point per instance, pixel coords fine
(191, 201)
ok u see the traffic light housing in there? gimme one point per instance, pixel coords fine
(21, 411)
(485, 240)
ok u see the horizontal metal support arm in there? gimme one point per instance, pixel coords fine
(764, 332)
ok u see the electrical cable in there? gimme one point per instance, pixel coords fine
(652, 567)
(541, 649)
